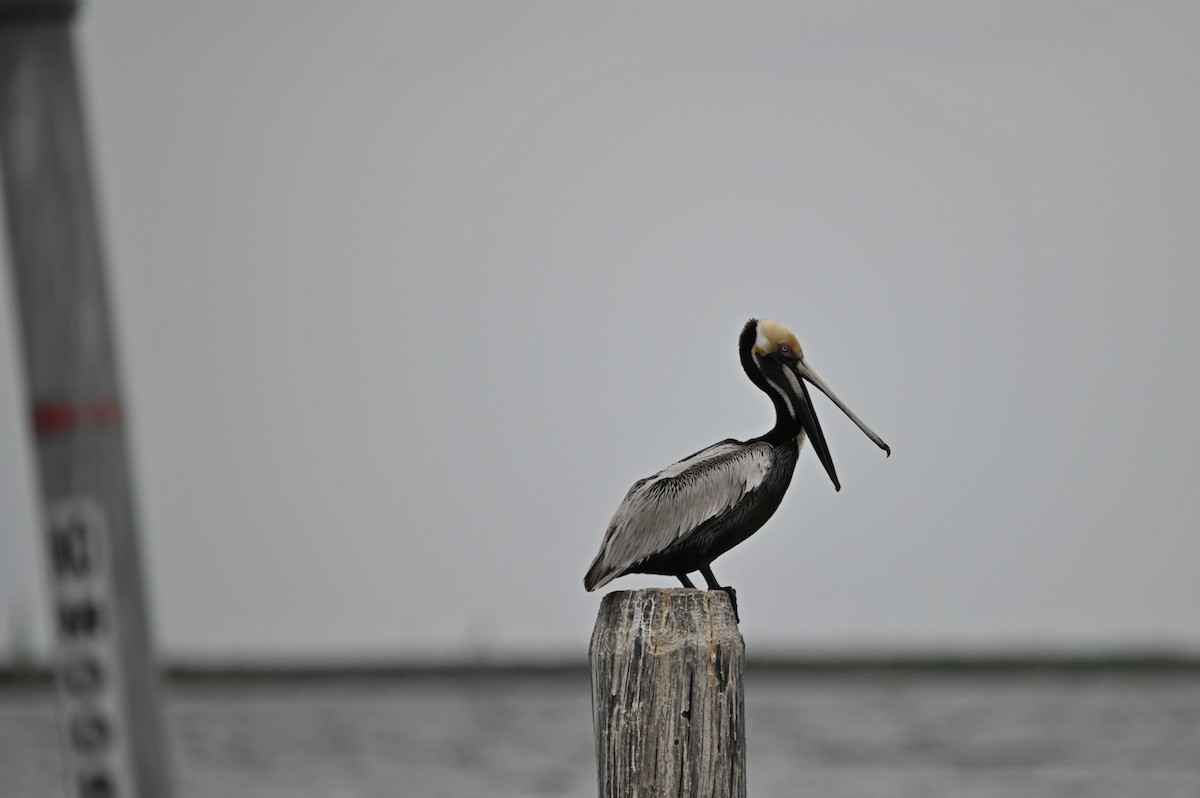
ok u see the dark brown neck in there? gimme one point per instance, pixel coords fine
(786, 426)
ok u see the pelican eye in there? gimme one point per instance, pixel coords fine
(784, 349)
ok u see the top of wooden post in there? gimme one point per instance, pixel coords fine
(668, 618)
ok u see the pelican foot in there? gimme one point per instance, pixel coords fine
(732, 600)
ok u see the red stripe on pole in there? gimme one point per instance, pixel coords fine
(54, 418)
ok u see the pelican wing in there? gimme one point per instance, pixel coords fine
(661, 509)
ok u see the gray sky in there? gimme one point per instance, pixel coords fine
(410, 294)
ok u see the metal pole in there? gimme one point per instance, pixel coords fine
(105, 669)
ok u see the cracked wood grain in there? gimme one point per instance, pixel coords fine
(667, 701)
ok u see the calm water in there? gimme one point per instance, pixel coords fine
(966, 737)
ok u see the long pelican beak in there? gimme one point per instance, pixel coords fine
(808, 418)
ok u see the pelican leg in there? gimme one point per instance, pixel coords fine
(706, 571)
(686, 582)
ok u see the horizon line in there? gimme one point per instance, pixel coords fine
(175, 671)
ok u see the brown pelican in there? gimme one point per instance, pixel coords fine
(679, 520)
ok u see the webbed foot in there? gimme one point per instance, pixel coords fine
(732, 600)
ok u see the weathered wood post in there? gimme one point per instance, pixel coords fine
(667, 700)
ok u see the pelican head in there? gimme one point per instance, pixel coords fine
(774, 360)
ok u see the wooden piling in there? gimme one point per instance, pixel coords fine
(667, 701)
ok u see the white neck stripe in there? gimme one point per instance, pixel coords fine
(786, 399)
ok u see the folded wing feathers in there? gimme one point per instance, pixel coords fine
(663, 508)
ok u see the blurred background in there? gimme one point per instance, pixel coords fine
(408, 294)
